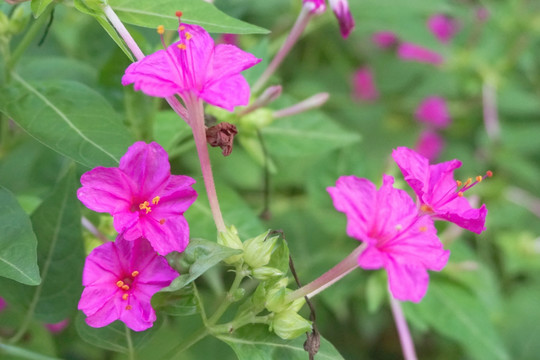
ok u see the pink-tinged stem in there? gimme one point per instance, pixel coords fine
(196, 116)
(299, 26)
(407, 345)
(312, 102)
(328, 278)
(491, 119)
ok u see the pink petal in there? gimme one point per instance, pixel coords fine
(148, 166)
(433, 111)
(443, 27)
(384, 39)
(230, 61)
(227, 93)
(408, 282)
(315, 6)
(430, 145)
(177, 196)
(415, 168)
(106, 190)
(343, 14)
(155, 75)
(460, 212)
(172, 235)
(94, 298)
(413, 52)
(441, 183)
(103, 265)
(140, 316)
(371, 258)
(127, 223)
(364, 85)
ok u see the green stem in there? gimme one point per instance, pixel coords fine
(200, 304)
(195, 338)
(29, 37)
(131, 352)
(240, 322)
(229, 298)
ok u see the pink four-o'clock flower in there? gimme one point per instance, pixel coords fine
(364, 85)
(412, 52)
(438, 193)
(433, 111)
(343, 14)
(443, 27)
(120, 278)
(194, 67)
(143, 197)
(399, 239)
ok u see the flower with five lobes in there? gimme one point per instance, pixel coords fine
(194, 66)
(438, 193)
(398, 237)
(120, 278)
(143, 197)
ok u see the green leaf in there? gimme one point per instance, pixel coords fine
(68, 117)
(39, 6)
(204, 254)
(255, 342)
(114, 336)
(60, 256)
(162, 12)
(459, 315)
(306, 134)
(18, 254)
(179, 303)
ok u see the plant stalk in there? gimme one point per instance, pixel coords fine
(407, 345)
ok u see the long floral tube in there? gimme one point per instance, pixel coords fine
(407, 344)
(330, 277)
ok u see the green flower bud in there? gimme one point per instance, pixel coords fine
(230, 239)
(275, 300)
(19, 20)
(4, 24)
(266, 273)
(257, 251)
(256, 119)
(289, 325)
(238, 294)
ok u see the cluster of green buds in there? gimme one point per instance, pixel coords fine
(266, 258)
(15, 23)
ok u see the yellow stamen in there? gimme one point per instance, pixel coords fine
(162, 221)
(468, 182)
(188, 36)
(459, 183)
(125, 287)
(135, 273)
(479, 178)
(160, 30)
(399, 227)
(182, 46)
(426, 208)
(144, 206)
(182, 28)
(423, 228)
(119, 283)
(155, 200)
(125, 296)
(460, 194)
(128, 307)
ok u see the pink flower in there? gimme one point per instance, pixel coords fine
(364, 86)
(57, 327)
(413, 52)
(3, 304)
(482, 14)
(437, 191)
(231, 39)
(343, 14)
(398, 238)
(384, 39)
(430, 144)
(143, 197)
(120, 278)
(194, 67)
(443, 27)
(433, 110)
(315, 6)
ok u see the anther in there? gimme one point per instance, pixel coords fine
(135, 273)
(182, 28)
(426, 208)
(423, 228)
(468, 182)
(188, 36)
(178, 14)
(160, 30)
(155, 200)
(479, 178)
(182, 46)
(459, 183)
(125, 296)
(125, 287)
(128, 307)
(162, 221)
(460, 194)
(119, 283)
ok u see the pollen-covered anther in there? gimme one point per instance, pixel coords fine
(160, 29)
(468, 182)
(125, 287)
(182, 28)
(135, 273)
(460, 194)
(128, 307)
(119, 283)
(188, 36)
(181, 46)
(423, 228)
(145, 206)
(162, 221)
(479, 178)
(426, 208)
(459, 183)
(125, 296)
(155, 200)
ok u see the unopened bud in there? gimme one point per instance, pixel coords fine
(238, 294)
(258, 250)
(4, 24)
(266, 273)
(19, 20)
(230, 239)
(289, 325)
(256, 120)
(312, 102)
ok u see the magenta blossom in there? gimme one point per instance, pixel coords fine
(443, 27)
(57, 327)
(413, 52)
(398, 238)
(3, 304)
(433, 110)
(343, 14)
(364, 86)
(438, 193)
(430, 144)
(143, 197)
(195, 67)
(120, 278)
(384, 39)
(315, 6)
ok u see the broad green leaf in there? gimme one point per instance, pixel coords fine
(255, 342)
(18, 244)
(179, 303)
(57, 227)
(305, 134)
(114, 336)
(162, 12)
(39, 6)
(203, 255)
(459, 315)
(68, 117)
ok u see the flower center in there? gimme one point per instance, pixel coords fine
(126, 284)
(459, 192)
(146, 205)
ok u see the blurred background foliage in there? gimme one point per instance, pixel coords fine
(483, 305)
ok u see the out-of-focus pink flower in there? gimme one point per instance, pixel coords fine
(315, 6)
(343, 14)
(443, 27)
(3, 303)
(143, 197)
(430, 145)
(438, 193)
(364, 86)
(230, 39)
(194, 67)
(57, 327)
(398, 238)
(413, 52)
(120, 278)
(482, 14)
(433, 111)
(384, 39)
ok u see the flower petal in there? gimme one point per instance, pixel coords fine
(229, 61)
(227, 92)
(371, 258)
(140, 315)
(177, 196)
(460, 212)
(408, 282)
(415, 169)
(103, 266)
(172, 235)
